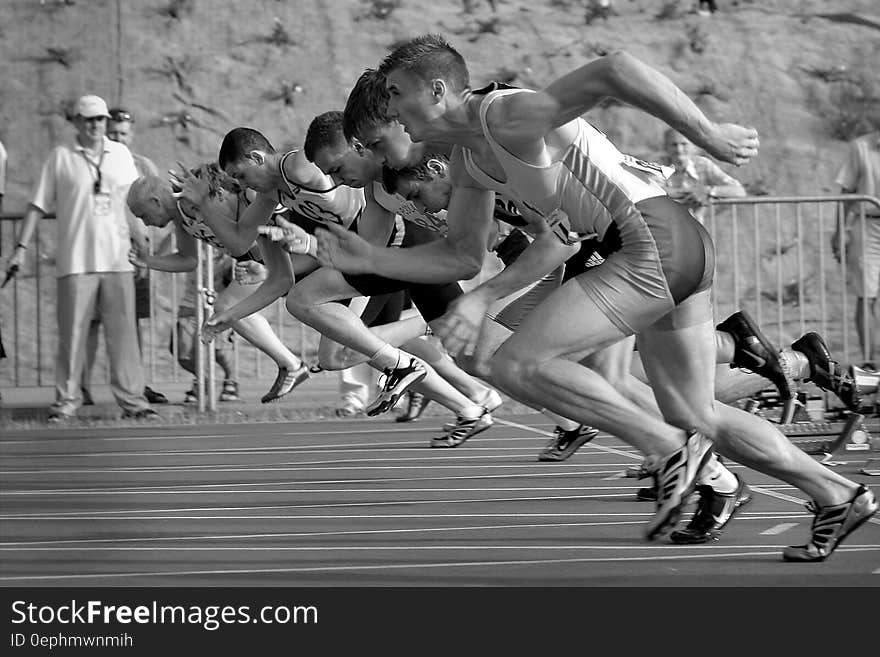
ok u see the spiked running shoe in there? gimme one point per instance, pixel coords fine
(397, 381)
(714, 511)
(565, 443)
(825, 372)
(832, 524)
(415, 407)
(754, 352)
(285, 382)
(464, 428)
(674, 478)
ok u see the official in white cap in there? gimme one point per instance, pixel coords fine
(85, 184)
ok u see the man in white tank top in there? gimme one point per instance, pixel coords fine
(532, 145)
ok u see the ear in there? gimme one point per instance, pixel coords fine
(257, 156)
(438, 89)
(358, 147)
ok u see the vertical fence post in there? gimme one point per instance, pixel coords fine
(200, 318)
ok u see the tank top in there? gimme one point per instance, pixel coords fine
(336, 204)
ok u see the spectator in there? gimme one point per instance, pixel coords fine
(186, 334)
(696, 179)
(860, 174)
(85, 183)
(119, 129)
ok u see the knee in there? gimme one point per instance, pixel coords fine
(512, 369)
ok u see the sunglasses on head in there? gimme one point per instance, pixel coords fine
(121, 115)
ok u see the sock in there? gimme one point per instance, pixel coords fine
(565, 423)
(795, 363)
(387, 358)
(470, 411)
(717, 476)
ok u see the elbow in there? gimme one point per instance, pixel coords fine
(468, 268)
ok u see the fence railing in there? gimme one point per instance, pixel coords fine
(773, 258)
(29, 325)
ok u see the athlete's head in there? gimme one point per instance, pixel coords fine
(366, 119)
(146, 200)
(347, 162)
(243, 155)
(427, 184)
(422, 77)
(677, 146)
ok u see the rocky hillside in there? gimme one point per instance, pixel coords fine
(190, 69)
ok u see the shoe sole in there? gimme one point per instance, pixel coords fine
(383, 405)
(674, 513)
(551, 455)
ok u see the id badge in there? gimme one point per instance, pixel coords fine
(102, 204)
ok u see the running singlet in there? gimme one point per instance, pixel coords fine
(408, 211)
(337, 204)
(580, 194)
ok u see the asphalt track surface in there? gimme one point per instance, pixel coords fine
(368, 503)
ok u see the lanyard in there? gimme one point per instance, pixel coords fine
(96, 188)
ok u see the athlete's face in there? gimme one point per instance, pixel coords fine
(431, 194)
(150, 211)
(347, 164)
(411, 102)
(252, 171)
(390, 144)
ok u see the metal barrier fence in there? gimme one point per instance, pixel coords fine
(774, 258)
(28, 321)
(775, 261)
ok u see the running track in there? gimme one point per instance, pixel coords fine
(366, 502)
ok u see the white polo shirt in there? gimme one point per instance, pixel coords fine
(88, 241)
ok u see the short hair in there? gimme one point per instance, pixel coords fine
(367, 105)
(422, 171)
(324, 130)
(142, 189)
(428, 57)
(238, 142)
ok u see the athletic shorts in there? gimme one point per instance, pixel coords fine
(431, 299)
(662, 274)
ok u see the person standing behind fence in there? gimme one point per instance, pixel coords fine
(120, 129)
(2, 174)
(697, 179)
(860, 174)
(85, 183)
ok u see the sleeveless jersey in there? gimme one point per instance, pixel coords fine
(407, 210)
(336, 204)
(581, 193)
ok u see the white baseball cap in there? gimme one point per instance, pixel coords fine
(90, 106)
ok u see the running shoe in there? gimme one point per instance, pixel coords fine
(826, 372)
(143, 414)
(229, 392)
(754, 352)
(191, 396)
(415, 407)
(87, 397)
(565, 443)
(397, 381)
(675, 477)
(464, 428)
(285, 382)
(832, 524)
(714, 511)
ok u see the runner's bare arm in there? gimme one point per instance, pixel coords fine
(459, 256)
(183, 259)
(527, 117)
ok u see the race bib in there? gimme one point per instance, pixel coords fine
(102, 204)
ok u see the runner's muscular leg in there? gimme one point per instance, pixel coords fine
(538, 364)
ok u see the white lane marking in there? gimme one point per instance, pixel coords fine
(349, 532)
(391, 567)
(778, 529)
(113, 516)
